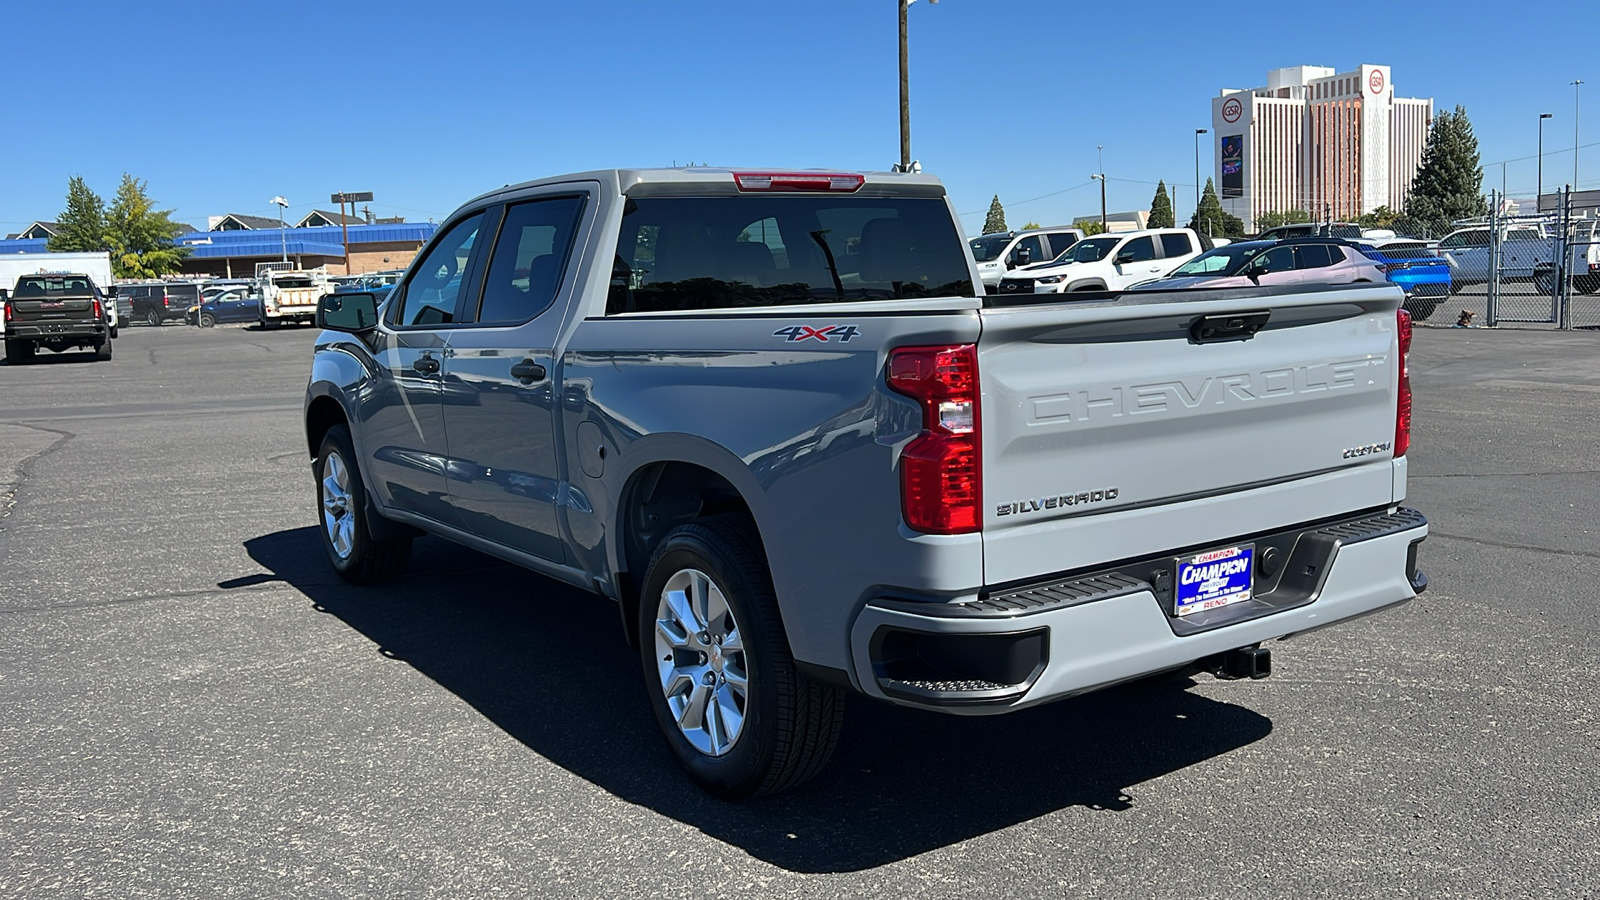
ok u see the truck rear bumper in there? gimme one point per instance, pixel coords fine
(58, 331)
(1024, 645)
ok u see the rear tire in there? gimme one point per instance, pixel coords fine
(20, 352)
(716, 659)
(342, 508)
(102, 351)
(152, 318)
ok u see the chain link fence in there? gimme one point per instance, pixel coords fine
(1542, 269)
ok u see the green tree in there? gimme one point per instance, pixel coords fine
(1089, 226)
(1449, 183)
(1161, 208)
(1031, 224)
(1382, 217)
(996, 221)
(141, 237)
(83, 222)
(1287, 217)
(1211, 219)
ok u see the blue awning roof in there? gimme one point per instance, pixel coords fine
(27, 245)
(264, 246)
(359, 234)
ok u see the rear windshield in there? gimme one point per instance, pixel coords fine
(52, 286)
(293, 281)
(686, 253)
(190, 291)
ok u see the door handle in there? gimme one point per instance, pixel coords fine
(527, 371)
(425, 365)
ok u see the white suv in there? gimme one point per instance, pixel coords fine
(1108, 262)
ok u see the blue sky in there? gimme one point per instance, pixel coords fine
(220, 105)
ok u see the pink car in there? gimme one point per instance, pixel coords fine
(1266, 263)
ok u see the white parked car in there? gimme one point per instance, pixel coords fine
(1108, 262)
(999, 253)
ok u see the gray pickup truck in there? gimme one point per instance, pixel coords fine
(775, 418)
(58, 312)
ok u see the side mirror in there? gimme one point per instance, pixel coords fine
(1126, 256)
(355, 312)
(1024, 256)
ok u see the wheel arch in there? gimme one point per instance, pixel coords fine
(672, 482)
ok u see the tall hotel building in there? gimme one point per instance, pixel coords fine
(1335, 144)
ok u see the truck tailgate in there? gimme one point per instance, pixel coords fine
(52, 309)
(1097, 415)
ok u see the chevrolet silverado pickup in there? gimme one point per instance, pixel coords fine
(775, 418)
(58, 312)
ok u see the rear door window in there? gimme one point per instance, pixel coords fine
(691, 253)
(1060, 241)
(528, 261)
(1312, 256)
(1175, 245)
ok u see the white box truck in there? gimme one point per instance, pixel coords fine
(95, 265)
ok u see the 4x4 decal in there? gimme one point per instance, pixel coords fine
(824, 334)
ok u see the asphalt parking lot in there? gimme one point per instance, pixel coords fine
(193, 705)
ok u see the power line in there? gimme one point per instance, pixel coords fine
(1040, 197)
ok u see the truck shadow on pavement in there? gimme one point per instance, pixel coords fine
(546, 663)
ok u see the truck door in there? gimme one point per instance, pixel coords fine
(498, 396)
(402, 421)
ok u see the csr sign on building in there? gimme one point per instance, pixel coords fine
(1335, 144)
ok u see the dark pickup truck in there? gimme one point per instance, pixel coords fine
(58, 312)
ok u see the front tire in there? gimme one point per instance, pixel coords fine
(207, 320)
(735, 711)
(342, 507)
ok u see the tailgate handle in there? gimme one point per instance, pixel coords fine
(1229, 327)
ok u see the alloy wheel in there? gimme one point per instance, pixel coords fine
(701, 660)
(338, 516)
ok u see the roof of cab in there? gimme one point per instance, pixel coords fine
(623, 180)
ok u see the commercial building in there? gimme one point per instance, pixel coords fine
(234, 251)
(1335, 144)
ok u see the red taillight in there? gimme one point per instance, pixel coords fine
(99, 311)
(1402, 414)
(941, 471)
(797, 181)
(8, 310)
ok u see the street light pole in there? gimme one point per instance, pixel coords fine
(1197, 133)
(1540, 192)
(1102, 179)
(283, 236)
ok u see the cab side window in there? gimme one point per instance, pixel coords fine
(1035, 249)
(1278, 259)
(435, 287)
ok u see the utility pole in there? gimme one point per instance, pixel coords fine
(1102, 179)
(905, 92)
(1197, 133)
(1575, 85)
(1540, 193)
